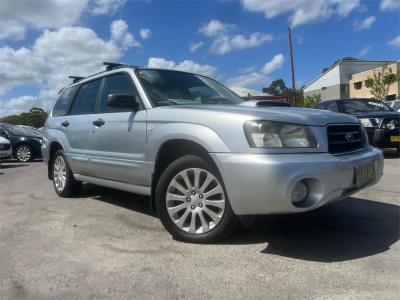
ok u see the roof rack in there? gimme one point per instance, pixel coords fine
(76, 78)
(110, 65)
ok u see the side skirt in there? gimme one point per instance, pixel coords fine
(138, 189)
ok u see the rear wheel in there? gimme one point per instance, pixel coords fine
(63, 179)
(24, 153)
(192, 202)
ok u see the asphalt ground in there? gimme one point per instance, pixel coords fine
(107, 244)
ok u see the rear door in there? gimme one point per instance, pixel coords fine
(78, 127)
(119, 140)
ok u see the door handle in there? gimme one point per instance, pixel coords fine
(99, 122)
(65, 123)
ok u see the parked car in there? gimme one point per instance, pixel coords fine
(5, 149)
(202, 155)
(379, 120)
(394, 104)
(26, 144)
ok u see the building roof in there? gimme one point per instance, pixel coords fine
(244, 92)
(347, 61)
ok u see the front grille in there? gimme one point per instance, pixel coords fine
(5, 146)
(345, 138)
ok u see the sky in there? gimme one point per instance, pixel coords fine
(242, 43)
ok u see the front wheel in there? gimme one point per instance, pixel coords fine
(64, 182)
(24, 153)
(192, 202)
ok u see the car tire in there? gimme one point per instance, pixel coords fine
(194, 212)
(23, 153)
(64, 182)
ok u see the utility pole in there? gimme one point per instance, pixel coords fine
(291, 62)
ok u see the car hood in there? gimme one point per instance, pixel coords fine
(377, 114)
(306, 116)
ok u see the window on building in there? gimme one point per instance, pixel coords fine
(357, 85)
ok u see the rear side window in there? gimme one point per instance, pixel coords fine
(64, 101)
(85, 100)
(117, 84)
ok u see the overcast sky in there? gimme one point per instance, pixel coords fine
(242, 43)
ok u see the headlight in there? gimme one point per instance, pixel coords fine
(38, 140)
(267, 134)
(375, 122)
(366, 122)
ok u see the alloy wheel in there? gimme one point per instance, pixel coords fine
(24, 153)
(59, 173)
(195, 200)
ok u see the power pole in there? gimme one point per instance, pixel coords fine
(291, 62)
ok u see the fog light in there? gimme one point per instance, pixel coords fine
(300, 192)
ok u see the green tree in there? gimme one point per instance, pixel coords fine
(276, 88)
(35, 117)
(380, 82)
(311, 101)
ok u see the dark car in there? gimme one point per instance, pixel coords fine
(26, 143)
(381, 122)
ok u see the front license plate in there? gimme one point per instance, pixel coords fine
(365, 174)
(395, 138)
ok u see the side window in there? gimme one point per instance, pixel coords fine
(332, 106)
(116, 84)
(63, 102)
(85, 100)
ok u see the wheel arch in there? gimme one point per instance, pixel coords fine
(171, 150)
(53, 148)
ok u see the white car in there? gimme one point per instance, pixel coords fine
(5, 148)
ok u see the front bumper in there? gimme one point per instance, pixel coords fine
(382, 137)
(262, 183)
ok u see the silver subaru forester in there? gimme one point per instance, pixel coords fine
(203, 155)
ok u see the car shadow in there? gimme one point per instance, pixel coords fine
(341, 231)
(345, 230)
(13, 165)
(135, 202)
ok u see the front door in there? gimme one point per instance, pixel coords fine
(119, 138)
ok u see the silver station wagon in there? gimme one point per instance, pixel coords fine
(203, 155)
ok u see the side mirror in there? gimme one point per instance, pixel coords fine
(123, 101)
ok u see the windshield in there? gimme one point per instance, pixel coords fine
(355, 106)
(166, 87)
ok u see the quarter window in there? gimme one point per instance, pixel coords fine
(120, 84)
(64, 101)
(85, 100)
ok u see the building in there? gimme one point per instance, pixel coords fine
(334, 83)
(358, 88)
(249, 94)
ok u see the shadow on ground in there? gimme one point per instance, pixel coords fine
(349, 229)
(345, 230)
(12, 165)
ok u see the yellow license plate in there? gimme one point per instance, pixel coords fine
(395, 138)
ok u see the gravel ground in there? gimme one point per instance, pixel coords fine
(108, 244)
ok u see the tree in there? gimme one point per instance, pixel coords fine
(311, 101)
(380, 82)
(276, 88)
(36, 117)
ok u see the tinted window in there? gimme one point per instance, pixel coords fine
(85, 100)
(332, 106)
(63, 102)
(321, 105)
(121, 84)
